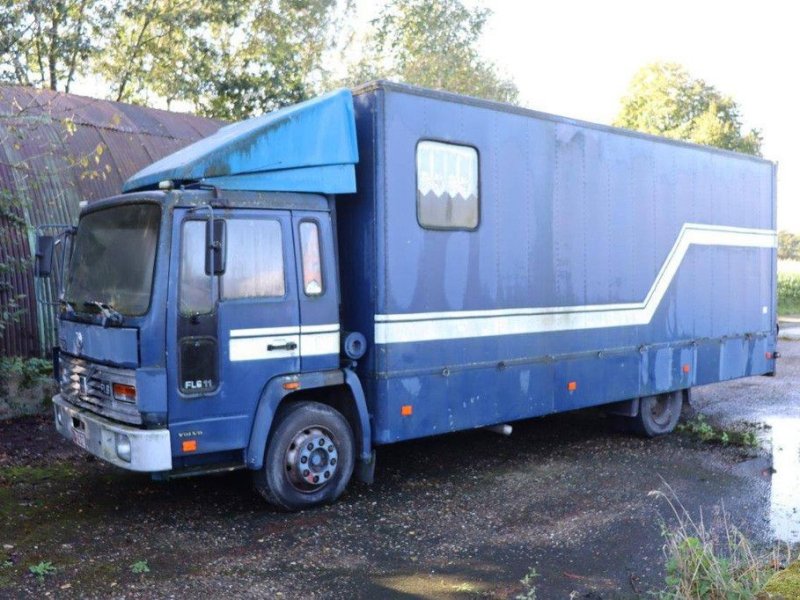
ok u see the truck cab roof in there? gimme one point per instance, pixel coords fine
(188, 197)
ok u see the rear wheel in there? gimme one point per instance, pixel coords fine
(309, 457)
(658, 415)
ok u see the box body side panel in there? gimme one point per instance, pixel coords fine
(604, 267)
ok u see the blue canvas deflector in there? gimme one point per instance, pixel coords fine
(308, 147)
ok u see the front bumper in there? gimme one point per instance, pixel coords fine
(150, 449)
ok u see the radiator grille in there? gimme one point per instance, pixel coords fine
(89, 386)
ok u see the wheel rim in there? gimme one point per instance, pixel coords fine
(661, 409)
(311, 459)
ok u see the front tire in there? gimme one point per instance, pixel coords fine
(659, 414)
(309, 457)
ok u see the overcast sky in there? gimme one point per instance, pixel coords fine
(576, 58)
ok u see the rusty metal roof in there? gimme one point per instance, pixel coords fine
(58, 149)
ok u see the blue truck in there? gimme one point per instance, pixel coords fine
(390, 263)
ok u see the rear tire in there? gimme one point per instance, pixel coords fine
(309, 457)
(658, 415)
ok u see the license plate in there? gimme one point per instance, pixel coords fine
(79, 437)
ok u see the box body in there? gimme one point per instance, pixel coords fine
(606, 265)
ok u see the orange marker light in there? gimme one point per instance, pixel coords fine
(685, 368)
(572, 386)
(406, 410)
(189, 445)
(291, 385)
(124, 392)
(768, 355)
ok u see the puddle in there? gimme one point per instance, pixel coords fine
(785, 492)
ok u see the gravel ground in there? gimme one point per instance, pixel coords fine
(465, 515)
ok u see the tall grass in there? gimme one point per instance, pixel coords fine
(711, 562)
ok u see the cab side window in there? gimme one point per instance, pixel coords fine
(254, 264)
(312, 264)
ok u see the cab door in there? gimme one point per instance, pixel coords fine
(236, 330)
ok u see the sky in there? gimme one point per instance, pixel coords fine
(576, 58)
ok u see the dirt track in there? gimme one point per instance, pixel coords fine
(457, 516)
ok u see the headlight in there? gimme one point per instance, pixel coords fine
(124, 447)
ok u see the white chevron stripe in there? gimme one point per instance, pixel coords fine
(419, 327)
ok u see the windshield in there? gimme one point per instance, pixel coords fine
(113, 260)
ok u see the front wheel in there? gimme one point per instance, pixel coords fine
(309, 457)
(658, 415)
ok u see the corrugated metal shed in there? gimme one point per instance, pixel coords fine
(56, 150)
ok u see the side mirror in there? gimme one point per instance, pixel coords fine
(44, 255)
(215, 247)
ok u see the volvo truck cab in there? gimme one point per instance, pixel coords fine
(190, 312)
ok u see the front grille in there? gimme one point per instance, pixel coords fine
(89, 386)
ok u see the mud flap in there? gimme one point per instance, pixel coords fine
(626, 408)
(365, 469)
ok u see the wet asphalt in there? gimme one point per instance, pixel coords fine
(464, 515)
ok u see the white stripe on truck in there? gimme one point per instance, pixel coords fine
(421, 327)
(310, 340)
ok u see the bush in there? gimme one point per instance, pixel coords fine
(27, 370)
(26, 386)
(788, 293)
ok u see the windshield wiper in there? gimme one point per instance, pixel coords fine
(110, 316)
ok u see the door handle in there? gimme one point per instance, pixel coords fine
(286, 346)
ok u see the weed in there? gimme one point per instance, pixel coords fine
(713, 563)
(41, 570)
(701, 429)
(528, 583)
(140, 566)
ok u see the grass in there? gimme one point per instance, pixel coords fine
(699, 428)
(788, 287)
(711, 562)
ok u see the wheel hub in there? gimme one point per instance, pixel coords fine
(311, 459)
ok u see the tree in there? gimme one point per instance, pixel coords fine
(47, 43)
(664, 99)
(228, 59)
(275, 62)
(788, 246)
(432, 43)
(162, 48)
